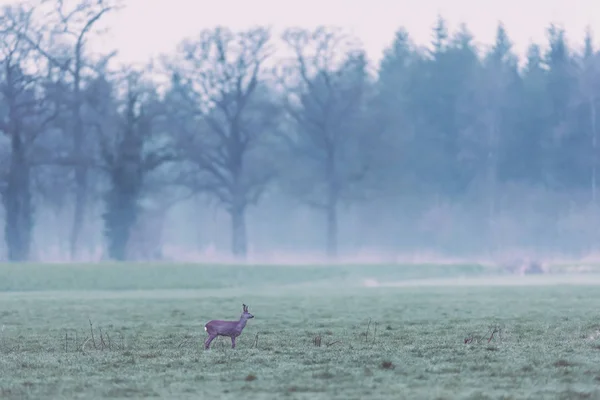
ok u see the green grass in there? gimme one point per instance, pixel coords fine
(549, 347)
(151, 276)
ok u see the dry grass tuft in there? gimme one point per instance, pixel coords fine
(317, 341)
(387, 365)
(563, 363)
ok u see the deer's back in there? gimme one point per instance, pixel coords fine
(223, 328)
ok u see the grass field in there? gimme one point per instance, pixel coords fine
(147, 324)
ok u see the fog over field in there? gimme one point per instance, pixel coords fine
(279, 135)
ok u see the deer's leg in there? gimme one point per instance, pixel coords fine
(208, 341)
(233, 342)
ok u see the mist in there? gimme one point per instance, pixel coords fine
(294, 147)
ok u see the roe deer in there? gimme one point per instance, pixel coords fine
(231, 329)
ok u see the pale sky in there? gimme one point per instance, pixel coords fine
(147, 28)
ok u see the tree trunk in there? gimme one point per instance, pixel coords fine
(332, 204)
(332, 230)
(119, 219)
(239, 245)
(17, 203)
(79, 212)
(81, 172)
(594, 147)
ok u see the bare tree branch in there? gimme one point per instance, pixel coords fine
(224, 114)
(324, 87)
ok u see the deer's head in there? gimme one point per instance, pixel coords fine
(246, 314)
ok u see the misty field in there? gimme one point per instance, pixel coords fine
(375, 342)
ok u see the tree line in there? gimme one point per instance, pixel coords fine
(226, 116)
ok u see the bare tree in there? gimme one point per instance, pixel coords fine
(325, 86)
(26, 112)
(129, 155)
(69, 27)
(225, 114)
